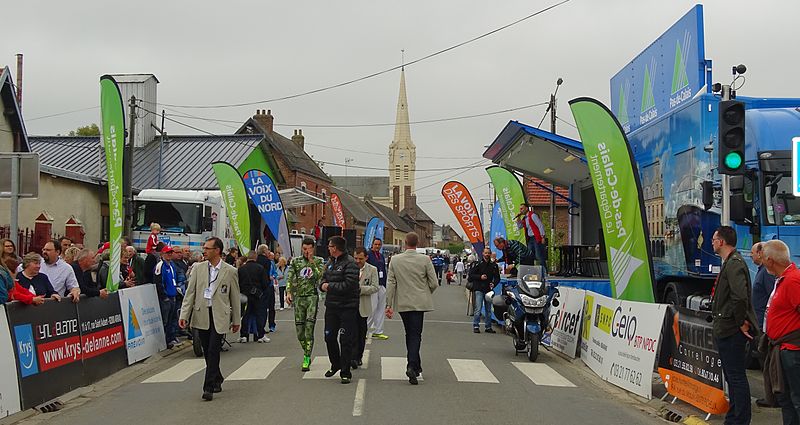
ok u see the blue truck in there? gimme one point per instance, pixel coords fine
(665, 102)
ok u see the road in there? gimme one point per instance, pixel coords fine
(468, 379)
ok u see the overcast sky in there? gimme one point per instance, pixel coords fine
(210, 53)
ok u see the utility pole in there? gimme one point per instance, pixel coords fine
(553, 186)
(127, 175)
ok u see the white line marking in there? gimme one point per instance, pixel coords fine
(319, 366)
(369, 339)
(178, 373)
(542, 374)
(394, 369)
(358, 403)
(472, 371)
(255, 368)
(365, 360)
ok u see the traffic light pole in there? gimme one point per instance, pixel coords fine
(725, 218)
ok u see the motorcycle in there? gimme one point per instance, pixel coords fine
(527, 304)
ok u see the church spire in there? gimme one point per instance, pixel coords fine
(402, 130)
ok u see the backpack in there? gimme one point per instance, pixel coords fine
(6, 286)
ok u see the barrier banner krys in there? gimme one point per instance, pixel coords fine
(689, 361)
(497, 228)
(460, 201)
(265, 197)
(619, 340)
(510, 196)
(566, 320)
(235, 198)
(141, 317)
(338, 212)
(102, 337)
(113, 120)
(619, 199)
(370, 233)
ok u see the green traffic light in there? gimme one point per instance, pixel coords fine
(733, 160)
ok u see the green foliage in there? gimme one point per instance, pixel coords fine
(88, 130)
(456, 248)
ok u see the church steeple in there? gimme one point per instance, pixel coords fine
(402, 154)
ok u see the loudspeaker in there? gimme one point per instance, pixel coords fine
(350, 236)
(327, 233)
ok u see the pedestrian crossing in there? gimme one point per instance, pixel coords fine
(390, 368)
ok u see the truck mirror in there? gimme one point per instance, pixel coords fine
(708, 194)
(741, 198)
(208, 224)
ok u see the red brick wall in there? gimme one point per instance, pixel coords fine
(306, 217)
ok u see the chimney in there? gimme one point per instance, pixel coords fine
(299, 139)
(19, 80)
(265, 119)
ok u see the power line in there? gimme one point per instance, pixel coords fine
(566, 122)
(374, 74)
(62, 113)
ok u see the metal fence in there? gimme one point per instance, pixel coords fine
(27, 240)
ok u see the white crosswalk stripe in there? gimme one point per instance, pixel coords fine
(542, 374)
(394, 369)
(255, 368)
(365, 360)
(178, 373)
(469, 370)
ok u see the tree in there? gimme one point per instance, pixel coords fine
(456, 247)
(88, 130)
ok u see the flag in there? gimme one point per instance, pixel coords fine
(264, 195)
(338, 212)
(113, 117)
(510, 196)
(497, 228)
(618, 191)
(234, 196)
(463, 206)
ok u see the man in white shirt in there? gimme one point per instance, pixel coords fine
(459, 271)
(61, 274)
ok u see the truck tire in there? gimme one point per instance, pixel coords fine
(671, 295)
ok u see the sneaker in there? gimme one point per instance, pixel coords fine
(476, 330)
(176, 342)
(170, 345)
(380, 336)
(331, 372)
(272, 329)
(264, 339)
(306, 364)
(346, 379)
(354, 364)
(243, 340)
(412, 376)
(490, 331)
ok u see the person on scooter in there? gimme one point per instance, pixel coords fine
(484, 276)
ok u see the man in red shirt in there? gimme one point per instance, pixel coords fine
(783, 318)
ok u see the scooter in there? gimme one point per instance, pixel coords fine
(527, 303)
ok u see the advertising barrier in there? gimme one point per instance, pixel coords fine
(689, 362)
(102, 339)
(144, 330)
(620, 339)
(9, 385)
(47, 345)
(566, 321)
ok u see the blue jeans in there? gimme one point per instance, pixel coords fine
(481, 305)
(412, 322)
(732, 353)
(537, 250)
(790, 403)
(169, 316)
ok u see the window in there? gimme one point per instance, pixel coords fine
(303, 186)
(397, 172)
(405, 172)
(324, 194)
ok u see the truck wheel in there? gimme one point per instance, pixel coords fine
(533, 347)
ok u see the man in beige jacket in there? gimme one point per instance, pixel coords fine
(410, 284)
(368, 282)
(212, 306)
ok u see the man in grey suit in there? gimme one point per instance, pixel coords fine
(212, 306)
(368, 282)
(409, 291)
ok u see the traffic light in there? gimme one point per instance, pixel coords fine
(731, 137)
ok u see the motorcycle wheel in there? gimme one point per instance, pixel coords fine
(197, 346)
(533, 347)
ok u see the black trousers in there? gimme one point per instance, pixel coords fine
(250, 319)
(343, 319)
(412, 322)
(212, 345)
(361, 342)
(270, 304)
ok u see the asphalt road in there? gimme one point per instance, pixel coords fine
(468, 379)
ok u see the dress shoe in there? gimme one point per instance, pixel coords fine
(490, 331)
(208, 396)
(331, 372)
(763, 403)
(217, 388)
(354, 364)
(360, 362)
(412, 376)
(476, 330)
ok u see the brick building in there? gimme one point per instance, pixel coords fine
(539, 198)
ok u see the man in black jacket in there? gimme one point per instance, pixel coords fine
(82, 266)
(268, 298)
(340, 281)
(734, 322)
(253, 284)
(483, 275)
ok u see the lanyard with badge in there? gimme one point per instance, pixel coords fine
(207, 293)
